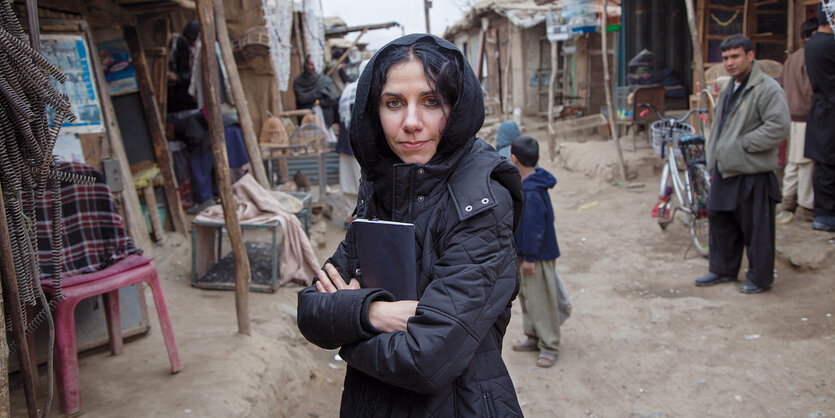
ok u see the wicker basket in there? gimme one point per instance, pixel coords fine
(661, 128)
(273, 132)
(255, 41)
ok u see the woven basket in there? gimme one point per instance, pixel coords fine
(661, 128)
(255, 41)
(273, 132)
(310, 118)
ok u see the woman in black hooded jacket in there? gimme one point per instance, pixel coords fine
(417, 110)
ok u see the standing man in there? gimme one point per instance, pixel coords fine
(798, 196)
(820, 124)
(752, 119)
(311, 86)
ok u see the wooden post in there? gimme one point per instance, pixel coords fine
(211, 82)
(482, 38)
(245, 119)
(697, 52)
(7, 274)
(134, 221)
(607, 85)
(552, 136)
(156, 127)
(153, 212)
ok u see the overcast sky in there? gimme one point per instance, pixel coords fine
(408, 13)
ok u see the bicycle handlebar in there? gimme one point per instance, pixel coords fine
(660, 116)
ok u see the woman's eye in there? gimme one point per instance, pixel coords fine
(392, 103)
(431, 101)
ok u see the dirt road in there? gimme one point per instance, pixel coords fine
(642, 340)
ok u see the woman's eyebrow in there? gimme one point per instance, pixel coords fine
(388, 93)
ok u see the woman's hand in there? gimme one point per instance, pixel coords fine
(330, 281)
(391, 316)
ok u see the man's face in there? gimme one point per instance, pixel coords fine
(737, 62)
(310, 67)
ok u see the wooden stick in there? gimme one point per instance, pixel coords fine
(607, 86)
(697, 52)
(552, 137)
(156, 127)
(211, 82)
(7, 274)
(133, 210)
(245, 119)
(153, 212)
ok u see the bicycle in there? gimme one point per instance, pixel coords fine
(676, 141)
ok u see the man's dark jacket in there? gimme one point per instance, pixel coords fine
(820, 124)
(464, 203)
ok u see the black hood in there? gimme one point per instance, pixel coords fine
(464, 121)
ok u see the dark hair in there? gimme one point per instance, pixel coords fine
(808, 27)
(736, 41)
(191, 30)
(441, 67)
(526, 150)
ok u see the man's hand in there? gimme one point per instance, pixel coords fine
(528, 268)
(391, 316)
(330, 281)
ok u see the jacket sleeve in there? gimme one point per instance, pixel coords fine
(331, 320)
(531, 230)
(472, 284)
(776, 122)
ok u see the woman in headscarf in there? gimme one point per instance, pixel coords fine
(418, 108)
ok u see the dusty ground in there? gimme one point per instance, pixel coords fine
(642, 341)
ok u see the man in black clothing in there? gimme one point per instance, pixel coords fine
(752, 119)
(820, 129)
(180, 62)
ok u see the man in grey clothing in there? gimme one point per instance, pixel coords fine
(752, 119)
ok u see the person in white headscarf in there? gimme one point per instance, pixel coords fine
(349, 169)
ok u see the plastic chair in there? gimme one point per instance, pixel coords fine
(93, 235)
(128, 271)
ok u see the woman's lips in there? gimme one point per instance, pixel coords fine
(412, 146)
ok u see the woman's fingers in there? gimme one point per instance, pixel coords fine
(325, 283)
(335, 277)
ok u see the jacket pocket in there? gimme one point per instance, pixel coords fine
(488, 408)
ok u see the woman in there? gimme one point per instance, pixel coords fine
(418, 107)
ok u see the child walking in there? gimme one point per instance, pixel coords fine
(537, 251)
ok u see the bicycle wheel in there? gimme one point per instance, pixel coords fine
(699, 191)
(663, 210)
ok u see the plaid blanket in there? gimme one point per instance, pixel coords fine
(94, 237)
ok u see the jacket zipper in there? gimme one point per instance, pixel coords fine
(488, 408)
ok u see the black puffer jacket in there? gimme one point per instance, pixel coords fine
(465, 204)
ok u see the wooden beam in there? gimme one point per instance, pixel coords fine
(697, 52)
(244, 118)
(607, 87)
(135, 221)
(344, 31)
(552, 137)
(110, 12)
(156, 129)
(211, 83)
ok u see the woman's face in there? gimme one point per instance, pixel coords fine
(413, 118)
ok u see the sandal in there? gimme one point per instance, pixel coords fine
(526, 345)
(546, 360)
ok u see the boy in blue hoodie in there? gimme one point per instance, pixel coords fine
(537, 251)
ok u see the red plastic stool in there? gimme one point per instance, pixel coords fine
(107, 282)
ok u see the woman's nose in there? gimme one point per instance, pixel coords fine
(412, 121)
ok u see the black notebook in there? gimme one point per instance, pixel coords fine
(386, 253)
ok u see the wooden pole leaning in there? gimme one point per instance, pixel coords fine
(697, 52)
(156, 127)
(211, 82)
(244, 117)
(608, 87)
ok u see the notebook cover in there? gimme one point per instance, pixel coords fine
(386, 253)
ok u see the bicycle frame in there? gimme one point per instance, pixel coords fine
(680, 187)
